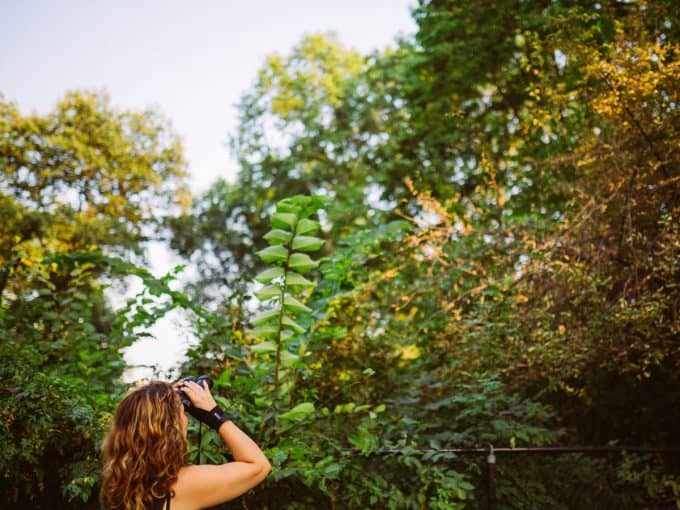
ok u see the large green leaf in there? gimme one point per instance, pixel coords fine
(278, 236)
(294, 279)
(307, 243)
(287, 321)
(307, 226)
(288, 359)
(265, 317)
(292, 304)
(267, 346)
(284, 220)
(263, 332)
(269, 274)
(299, 412)
(273, 254)
(288, 205)
(268, 292)
(301, 262)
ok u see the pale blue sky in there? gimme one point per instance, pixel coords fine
(192, 60)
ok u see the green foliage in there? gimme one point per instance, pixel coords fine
(61, 363)
(74, 184)
(532, 298)
(499, 264)
(276, 329)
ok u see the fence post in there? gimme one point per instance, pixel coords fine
(491, 478)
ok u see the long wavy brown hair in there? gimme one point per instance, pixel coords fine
(144, 449)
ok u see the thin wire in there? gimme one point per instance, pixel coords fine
(524, 450)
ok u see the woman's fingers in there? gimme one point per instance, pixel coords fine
(196, 387)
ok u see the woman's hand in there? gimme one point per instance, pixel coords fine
(199, 395)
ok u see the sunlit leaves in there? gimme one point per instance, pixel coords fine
(299, 412)
(286, 283)
(271, 254)
(282, 220)
(263, 347)
(99, 172)
(269, 274)
(296, 279)
(307, 226)
(268, 292)
(267, 316)
(277, 236)
(292, 304)
(301, 262)
(307, 243)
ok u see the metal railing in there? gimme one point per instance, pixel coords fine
(491, 453)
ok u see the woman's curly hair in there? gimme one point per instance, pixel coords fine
(144, 449)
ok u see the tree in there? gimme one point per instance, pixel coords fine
(77, 187)
(532, 146)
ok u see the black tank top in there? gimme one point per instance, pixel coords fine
(163, 504)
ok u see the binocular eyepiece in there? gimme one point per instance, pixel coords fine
(204, 381)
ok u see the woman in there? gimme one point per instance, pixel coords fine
(144, 453)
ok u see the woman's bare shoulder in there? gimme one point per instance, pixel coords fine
(200, 486)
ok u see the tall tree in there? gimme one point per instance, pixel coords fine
(79, 188)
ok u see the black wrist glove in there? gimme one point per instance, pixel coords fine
(213, 418)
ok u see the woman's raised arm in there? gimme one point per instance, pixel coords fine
(208, 485)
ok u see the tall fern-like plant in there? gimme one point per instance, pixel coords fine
(277, 330)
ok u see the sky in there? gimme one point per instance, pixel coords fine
(190, 60)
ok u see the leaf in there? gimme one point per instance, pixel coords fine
(301, 262)
(332, 470)
(344, 408)
(299, 412)
(269, 274)
(294, 279)
(273, 254)
(289, 205)
(307, 243)
(268, 292)
(292, 304)
(284, 220)
(267, 346)
(287, 321)
(266, 316)
(288, 359)
(278, 236)
(263, 332)
(307, 226)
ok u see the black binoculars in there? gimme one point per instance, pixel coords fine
(186, 401)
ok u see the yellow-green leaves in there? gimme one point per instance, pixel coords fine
(284, 220)
(301, 262)
(277, 236)
(299, 412)
(292, 304)
(265, 317)
(268, 292)
(273, 254)
(290, 323)
(307, 243)
(296, 279)
(269, 274)
(284, 286)
(306, 226)
(264, 347)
